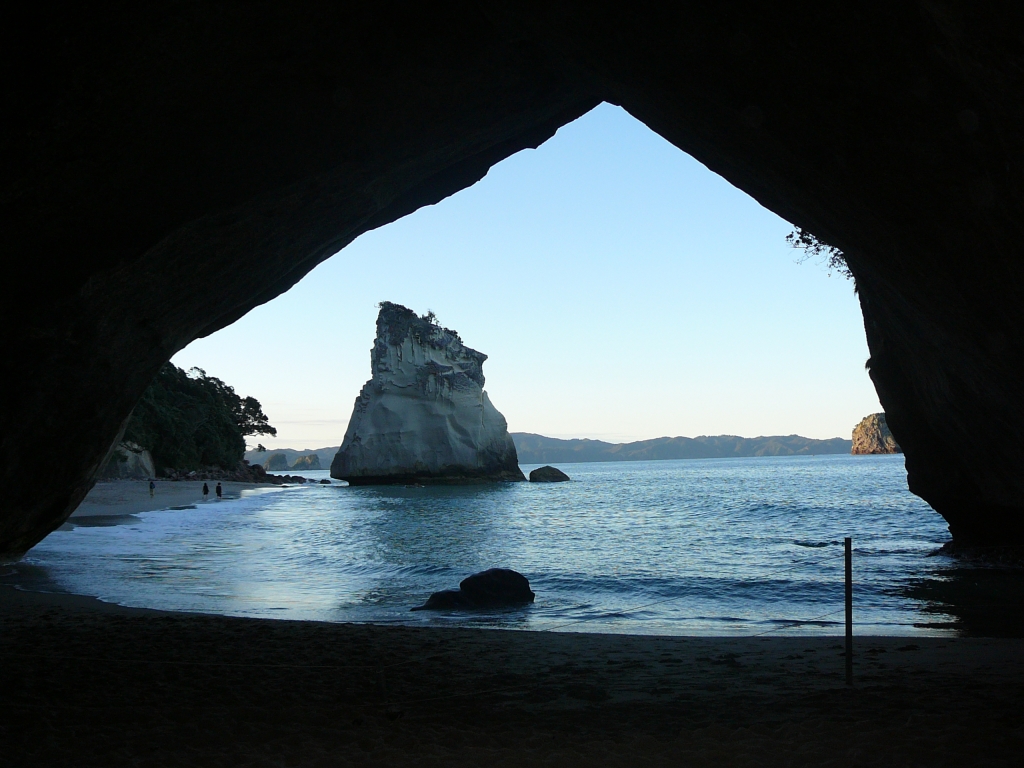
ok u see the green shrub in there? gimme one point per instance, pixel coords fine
(188, 420)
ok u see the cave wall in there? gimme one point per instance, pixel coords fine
(169, 167)
(894, 133)
(175, 165)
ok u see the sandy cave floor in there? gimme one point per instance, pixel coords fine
(84, 683)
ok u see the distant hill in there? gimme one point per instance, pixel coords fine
(537, 449)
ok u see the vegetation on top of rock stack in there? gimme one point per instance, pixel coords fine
(189, 420)
(401, 321)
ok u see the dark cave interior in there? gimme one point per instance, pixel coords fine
(169, 167)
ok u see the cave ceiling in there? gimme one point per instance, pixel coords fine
(168, 167)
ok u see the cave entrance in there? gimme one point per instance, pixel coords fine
(621, 290)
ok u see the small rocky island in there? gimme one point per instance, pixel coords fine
(424, 416)
(872, 435)
(278, 462)
(306, 463)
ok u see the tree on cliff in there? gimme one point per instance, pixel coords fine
(189, 420)
(833, 258)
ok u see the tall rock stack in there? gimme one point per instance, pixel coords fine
(872, 435)
(424, 416)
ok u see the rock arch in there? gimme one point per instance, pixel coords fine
(169, 167)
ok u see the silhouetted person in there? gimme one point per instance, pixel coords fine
(219, 491)
(206, 491)
(152, 488)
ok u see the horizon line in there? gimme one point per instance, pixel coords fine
(568, 439)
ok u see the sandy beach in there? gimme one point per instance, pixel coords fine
(90, 683)
(95, 684)
(116, 498)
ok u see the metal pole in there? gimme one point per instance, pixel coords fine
(382, 687)
(848, 546)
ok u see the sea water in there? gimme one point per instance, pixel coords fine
(744, 546)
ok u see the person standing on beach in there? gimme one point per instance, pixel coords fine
(152, 488)
(219, 492)
(206, 491)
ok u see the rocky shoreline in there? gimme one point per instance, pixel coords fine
(243, 473)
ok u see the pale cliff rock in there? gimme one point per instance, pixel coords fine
(129, 461)
(872, 435)
(424, 416)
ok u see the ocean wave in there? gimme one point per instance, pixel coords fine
(693, 547)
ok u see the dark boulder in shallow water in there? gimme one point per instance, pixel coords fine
(445, 600)
(487, 589)
(548, 475)
(497, 586)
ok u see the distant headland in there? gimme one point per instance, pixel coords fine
(537, 449)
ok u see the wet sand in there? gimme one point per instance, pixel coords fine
(117, 498)
(86, 683)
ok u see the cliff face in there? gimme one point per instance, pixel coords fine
(129, 461)
(872, 435)
(424, 416)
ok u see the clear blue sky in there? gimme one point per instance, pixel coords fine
(621, 290)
